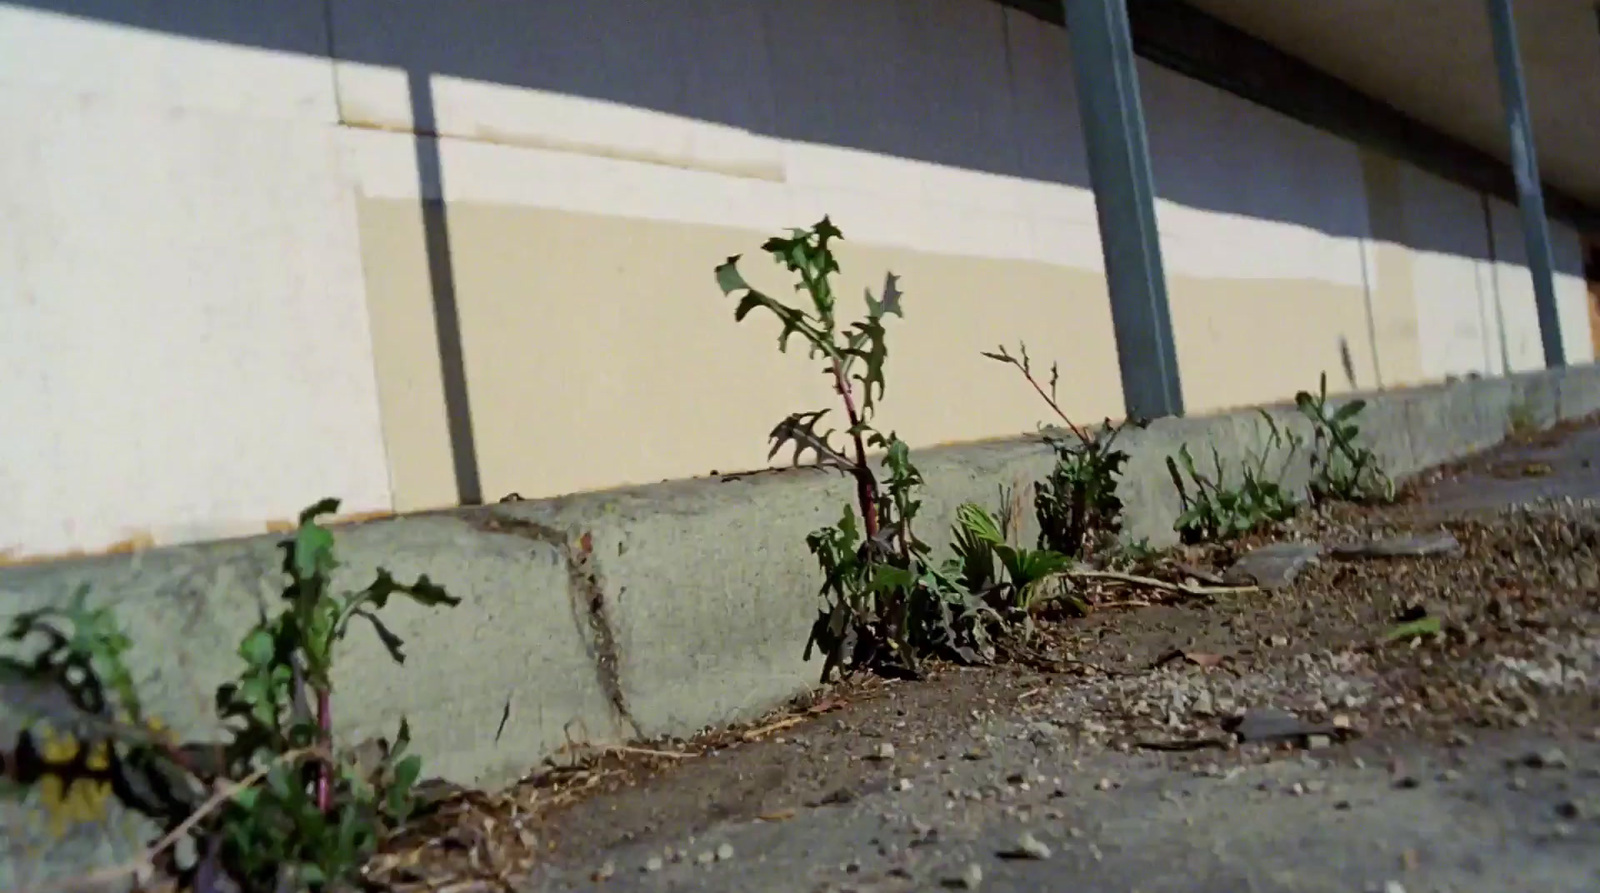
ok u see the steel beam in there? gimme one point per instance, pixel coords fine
(1525, 168)
(1124, 198)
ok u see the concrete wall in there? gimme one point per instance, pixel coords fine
(1459, 261)
(184, 348)
(1516, 290)
(238, 314)
(642, 612)
(1262, 223)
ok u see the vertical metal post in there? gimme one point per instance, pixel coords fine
(1124, 197)
(1525, 167)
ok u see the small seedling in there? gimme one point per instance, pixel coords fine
(272, 807)
(1341, 468)
(980, 542)
(1521, 422)
(886, 604)
(1214, 510)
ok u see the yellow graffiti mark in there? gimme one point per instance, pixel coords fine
(81, 800)
(77, 801)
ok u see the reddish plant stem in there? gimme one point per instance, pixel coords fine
(325, 727)
(866, 485)
(1053, 405)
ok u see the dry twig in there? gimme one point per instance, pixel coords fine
(649, 752)
(1163, 585)
(769, 728)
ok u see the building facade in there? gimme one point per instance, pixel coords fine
(256, 254)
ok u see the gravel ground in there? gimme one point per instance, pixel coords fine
(1467, 760)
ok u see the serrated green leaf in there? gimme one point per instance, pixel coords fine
(429, 594)
(729, 279)
(391, 642)
(890, 303)
(378, 591)
(800, 431)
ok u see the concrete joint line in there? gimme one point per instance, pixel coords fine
(586, 588)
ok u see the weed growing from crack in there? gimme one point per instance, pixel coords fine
(1216, 509)
(1521, 422)
(271, 808)
(982, 554)
(886, 603)
(1341, 468)
(1077, 506)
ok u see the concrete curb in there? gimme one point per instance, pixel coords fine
(641, 612)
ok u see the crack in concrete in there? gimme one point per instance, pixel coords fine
(586, 589)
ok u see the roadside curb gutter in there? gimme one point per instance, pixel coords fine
(649, 611)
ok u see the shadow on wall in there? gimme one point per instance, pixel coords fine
(944, 91)
(958, 84)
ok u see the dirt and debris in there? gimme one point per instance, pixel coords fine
(1499, 632)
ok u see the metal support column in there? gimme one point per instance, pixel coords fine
(1124, 197)
(1525, 167)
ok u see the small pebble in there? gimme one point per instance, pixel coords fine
(706, 857)
(905, 784)
(605, 871)
(969, 878)
(1103, 784)
(885, 751)
(652, 864)
(724, 852)
(1031, 847)
(1550, 758)
(1572, 809)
